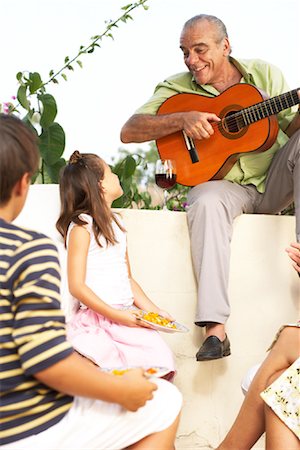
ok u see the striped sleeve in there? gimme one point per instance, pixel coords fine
(32, 333)
(39, 324)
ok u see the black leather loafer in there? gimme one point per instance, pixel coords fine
(213, 348)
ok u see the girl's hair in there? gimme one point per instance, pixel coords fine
(19, 154)
(81, 193)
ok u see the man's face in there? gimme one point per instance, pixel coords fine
(204, 53)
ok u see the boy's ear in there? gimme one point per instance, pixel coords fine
(21, 186)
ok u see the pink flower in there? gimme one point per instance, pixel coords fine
(5, 107)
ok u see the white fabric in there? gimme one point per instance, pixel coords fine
(247, 380)
(106, 271)
(93, 424)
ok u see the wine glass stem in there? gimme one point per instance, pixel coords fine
(165, 208)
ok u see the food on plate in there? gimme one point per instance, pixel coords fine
(150, 371)
(158, 320)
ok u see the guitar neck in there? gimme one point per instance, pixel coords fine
(269, 107)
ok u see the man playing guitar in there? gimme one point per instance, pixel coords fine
(264, 182)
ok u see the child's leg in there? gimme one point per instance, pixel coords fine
(250, 422)
(278, 435)
(164, 440)
(93, 424)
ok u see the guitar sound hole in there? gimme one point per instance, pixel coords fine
(233, 124)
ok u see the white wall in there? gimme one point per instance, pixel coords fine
(264, 292)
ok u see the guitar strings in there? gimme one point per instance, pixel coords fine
(256, 109)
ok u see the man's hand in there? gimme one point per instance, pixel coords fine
(199, 125)
(137, 390)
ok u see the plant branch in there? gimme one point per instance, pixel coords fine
(90, 48)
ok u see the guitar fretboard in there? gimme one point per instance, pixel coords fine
(266, 108)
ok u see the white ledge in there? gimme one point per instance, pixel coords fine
(264, 292)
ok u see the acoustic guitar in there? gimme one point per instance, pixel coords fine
(248, 124)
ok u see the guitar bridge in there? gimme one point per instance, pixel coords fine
(191, 147)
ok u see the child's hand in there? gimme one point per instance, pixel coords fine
(137, 390)
(294, 253)
(165, 314)
(129, 318)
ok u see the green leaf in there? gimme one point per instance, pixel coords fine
(22, 99)
(19, 76)
(27, 121)
(35, 82)
(126, 185)
(129, 167)
(34, 177)
(54, 170)
(67, 59)
(70, 67)
(51, 73)
(79, 63)
(54, 81)
(126, 6)
(64, 76)
(121, 202)
(49, 110)
(52, 143)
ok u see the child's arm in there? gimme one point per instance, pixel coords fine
(141, 300)
(78, 247)
(77, 377)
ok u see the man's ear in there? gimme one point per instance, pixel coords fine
(21, 186)
(227, 48)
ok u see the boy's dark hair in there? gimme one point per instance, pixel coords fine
(19, 154)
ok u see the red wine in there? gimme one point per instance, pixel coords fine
(165, 180)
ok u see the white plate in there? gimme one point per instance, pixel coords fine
(179, 327)
(150, 372)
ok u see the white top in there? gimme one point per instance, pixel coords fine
(106, 270)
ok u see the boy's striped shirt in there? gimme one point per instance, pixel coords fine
(32, 333)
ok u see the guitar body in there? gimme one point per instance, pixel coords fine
(218, 153)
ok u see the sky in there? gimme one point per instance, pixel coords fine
(120, 76)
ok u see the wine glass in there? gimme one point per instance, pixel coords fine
(165, 177)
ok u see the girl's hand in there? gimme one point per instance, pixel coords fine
(294, 253)
(165, 314)
(129, 318)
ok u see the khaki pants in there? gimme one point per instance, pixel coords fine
(212, 208)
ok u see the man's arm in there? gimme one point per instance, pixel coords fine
(294, 125)
(147, 127)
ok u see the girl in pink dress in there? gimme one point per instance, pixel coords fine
(106, 326)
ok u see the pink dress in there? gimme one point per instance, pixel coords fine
(107, 343)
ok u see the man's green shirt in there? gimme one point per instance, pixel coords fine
(250, 168)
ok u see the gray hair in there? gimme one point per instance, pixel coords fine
(220, 26)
